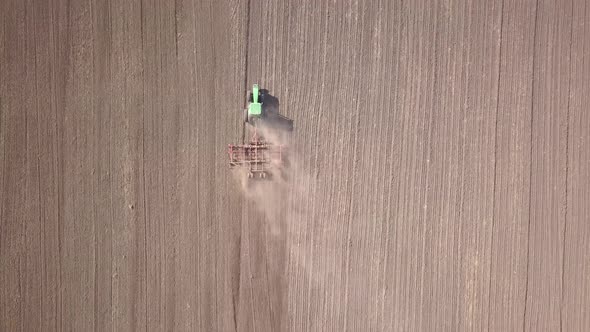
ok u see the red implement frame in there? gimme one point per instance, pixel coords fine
(257, 156)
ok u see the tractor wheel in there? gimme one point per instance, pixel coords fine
(250, 99)
(245, 115)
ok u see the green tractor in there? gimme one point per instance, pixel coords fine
(254, 109)
(263, 107)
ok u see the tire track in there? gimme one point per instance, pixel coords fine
(508, 272)
(576, 293)
(548, 164)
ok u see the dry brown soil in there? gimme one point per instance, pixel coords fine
(441, 178)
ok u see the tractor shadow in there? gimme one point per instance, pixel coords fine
(274, 119)
(271, 103)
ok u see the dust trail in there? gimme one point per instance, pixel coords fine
(304, 248)
(278, 200)
(272, 196)
(284, 200)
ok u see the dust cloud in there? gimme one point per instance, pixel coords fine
(272, 196)
(300, 246)
(283, 200)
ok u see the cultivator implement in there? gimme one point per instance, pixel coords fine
(257, 157)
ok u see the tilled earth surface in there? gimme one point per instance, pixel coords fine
(439, 180)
